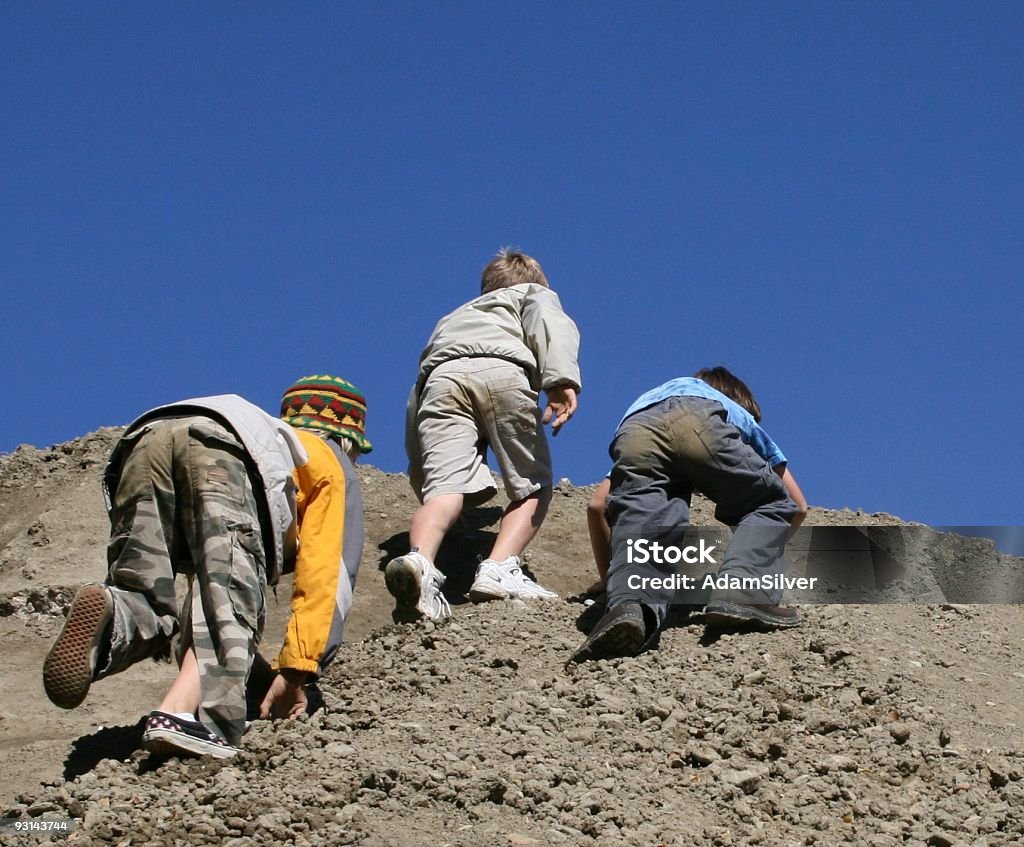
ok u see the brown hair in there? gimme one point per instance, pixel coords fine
(724, 380)
(511, 267)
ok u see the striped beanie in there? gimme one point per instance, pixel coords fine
(327, 403)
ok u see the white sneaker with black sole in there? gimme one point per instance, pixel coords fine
(166, 736)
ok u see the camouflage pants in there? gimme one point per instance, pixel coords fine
(184, 505)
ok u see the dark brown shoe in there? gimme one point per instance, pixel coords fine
(70, 666)
(621, 632)
(726, 613)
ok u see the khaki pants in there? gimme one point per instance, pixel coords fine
(466, 406)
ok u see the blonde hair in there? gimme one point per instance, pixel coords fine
(347, 445)
(349, 448)
(510, 267)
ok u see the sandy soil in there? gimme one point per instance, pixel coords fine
(876, 725)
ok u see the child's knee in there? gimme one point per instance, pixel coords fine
(541, 497)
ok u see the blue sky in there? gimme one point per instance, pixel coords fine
(824, 197)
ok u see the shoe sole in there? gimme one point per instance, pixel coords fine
(71, 663)
(622, 638)
(733, 614)
(167, 744)
(525, 595)
(402, 579)
(484, 591)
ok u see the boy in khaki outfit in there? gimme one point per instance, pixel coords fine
(478, 385)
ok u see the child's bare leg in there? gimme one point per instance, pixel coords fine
(600, 533)
(432, 520)
(520, 523)
(183, 695)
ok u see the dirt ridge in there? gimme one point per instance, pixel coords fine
(874, 725)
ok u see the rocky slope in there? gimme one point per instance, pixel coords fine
(874, 725)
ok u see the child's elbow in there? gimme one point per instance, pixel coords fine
(599, 499)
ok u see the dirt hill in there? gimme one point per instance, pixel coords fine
(875, 725)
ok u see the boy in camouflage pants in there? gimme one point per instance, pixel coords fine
(218, 491)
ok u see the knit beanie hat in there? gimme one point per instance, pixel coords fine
(327, 403)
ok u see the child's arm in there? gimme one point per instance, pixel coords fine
(554, 340)
(320, 582)
(793, 490)
(600, 533)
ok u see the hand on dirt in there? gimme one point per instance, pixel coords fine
(286, 697)
(561, 406)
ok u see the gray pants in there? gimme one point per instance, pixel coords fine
(184, 504)
(661, 456)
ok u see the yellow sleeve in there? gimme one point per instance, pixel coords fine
(318, 566)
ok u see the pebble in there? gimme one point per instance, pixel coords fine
(900, 733)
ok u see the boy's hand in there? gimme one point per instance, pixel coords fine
(286, 697)
(561, 406)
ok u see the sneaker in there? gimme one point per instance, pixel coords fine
(505, 581)
(415, 584)
(726, 613)
(166, 736)
(70, 666)
(621, 632)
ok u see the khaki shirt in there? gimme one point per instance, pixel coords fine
(523, 324)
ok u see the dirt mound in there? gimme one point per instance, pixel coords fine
(878, 725)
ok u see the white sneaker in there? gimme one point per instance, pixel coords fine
(505, 581)
(415, 584)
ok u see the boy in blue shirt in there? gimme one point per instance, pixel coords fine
(684, 436)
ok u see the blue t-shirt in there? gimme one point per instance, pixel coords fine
(690, 386)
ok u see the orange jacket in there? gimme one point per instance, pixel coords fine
(330, 544)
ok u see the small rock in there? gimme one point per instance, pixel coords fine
(900, 733)
(997, 776)
(746, 780)
(701, 756)
(841, 763)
